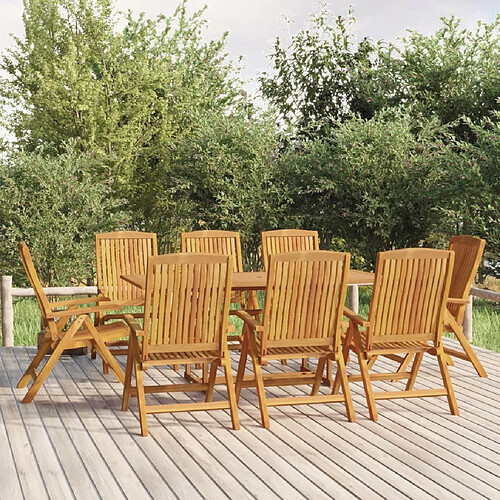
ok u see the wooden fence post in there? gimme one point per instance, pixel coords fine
(467, 323)
(354, 298)
(7, 311)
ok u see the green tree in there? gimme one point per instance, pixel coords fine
(452, 74)
(121, 94)
(316, 78)
(55, 205)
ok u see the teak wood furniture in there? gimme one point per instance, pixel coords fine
(302, 315)
(220, 243)
(67, 329)
(406, 316)
(185, 321)
(287, 240)
(257, 280)
(468, 254)
(117, 253)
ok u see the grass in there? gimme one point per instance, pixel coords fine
(486, 320)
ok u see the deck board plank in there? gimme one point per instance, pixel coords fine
(74, 440)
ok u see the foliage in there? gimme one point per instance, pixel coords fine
(315, 78)
(480, 214)
(124, 95)
(322, 75)
(451, 74)
(221, 176)
(55, 205)
(372, 185)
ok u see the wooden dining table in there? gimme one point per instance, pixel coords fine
(251, 281)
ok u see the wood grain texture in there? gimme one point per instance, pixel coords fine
(67, 326)
(302, 316)
(185, 321)
(406, 316)
(91, 448)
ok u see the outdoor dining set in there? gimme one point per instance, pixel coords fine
(176, 310)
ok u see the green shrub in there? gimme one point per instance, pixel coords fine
(372, 185)
(56, 206)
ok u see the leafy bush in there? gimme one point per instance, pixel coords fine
(221, 176)
(372, 185)
(56, 206)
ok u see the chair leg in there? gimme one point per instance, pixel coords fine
(304, 366)
(211, 381)
(346, 390)
(259, 382)
(365, 376)
(329, 372)
(139, 383)
(445, 374)
(44, 373)
(404, 365)
(459, 333)
(128, 378)
(414, 370)
(319, 375)
(345, 356)
(105, 367)
(44, 348)
(233, 405)
(241, 366)
(371, 362)
(204, 372)
(103, 351)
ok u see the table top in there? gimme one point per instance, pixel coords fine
(257, 280)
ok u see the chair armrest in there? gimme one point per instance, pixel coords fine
(76, 302)
(77, 311)
(249, 320)
(134, 325)
(457, 301)
(348, 313)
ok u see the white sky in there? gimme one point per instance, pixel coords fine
(254, 24)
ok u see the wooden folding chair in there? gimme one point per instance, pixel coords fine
(220, 243)
(185, 321)
(468, 254)
(406, 316)
(117, 253)
(289, 240)
(67, 329)
(302, 319)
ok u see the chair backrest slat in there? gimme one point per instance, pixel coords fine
(305, 297)
(122, 252)
(187, 300)
(468, 254)
(409, 295)
(287, 240)
(213, 241)
(43, 301)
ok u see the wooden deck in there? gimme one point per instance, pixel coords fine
(75, 442)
